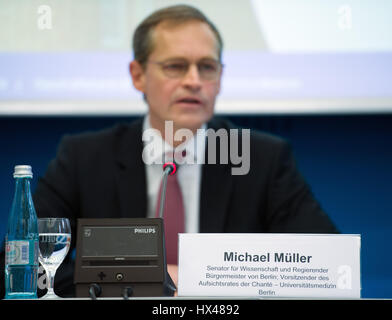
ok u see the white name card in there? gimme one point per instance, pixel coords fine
(269, 265)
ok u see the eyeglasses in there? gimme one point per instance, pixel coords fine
(209, 69)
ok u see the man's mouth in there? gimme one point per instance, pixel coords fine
(189, 100)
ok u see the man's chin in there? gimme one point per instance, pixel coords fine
(191, 123)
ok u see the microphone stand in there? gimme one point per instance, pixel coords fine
(169, 168)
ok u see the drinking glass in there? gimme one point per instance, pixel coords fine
(54, 242)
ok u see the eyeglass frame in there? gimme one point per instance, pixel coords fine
(219, 64)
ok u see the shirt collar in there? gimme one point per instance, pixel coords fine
(194, 147)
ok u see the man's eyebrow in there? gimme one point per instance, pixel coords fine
(186, 60)
(175, 59)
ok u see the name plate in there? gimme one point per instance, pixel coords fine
(269, 265)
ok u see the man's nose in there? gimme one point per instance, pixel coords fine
(192, 77)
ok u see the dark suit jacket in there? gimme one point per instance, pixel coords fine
(102, 175)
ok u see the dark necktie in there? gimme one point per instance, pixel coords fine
(173, 216)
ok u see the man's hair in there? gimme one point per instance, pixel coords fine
(142, 39)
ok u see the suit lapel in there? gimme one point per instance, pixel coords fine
(216, 185)
(130, 172)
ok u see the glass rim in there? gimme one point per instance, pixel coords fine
(54, 218)
(53, 221)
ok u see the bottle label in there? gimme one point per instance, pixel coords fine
(20, 252)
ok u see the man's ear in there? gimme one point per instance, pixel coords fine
(138, 77)
(220, 81)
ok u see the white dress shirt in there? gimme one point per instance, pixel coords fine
(188, 175)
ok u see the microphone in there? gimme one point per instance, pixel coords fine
(169, 168)
(131, 276)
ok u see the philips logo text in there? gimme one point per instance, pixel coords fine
(144, 230)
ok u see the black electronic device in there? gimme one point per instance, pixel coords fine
(121, 257)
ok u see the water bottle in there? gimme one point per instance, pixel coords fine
(21, 263)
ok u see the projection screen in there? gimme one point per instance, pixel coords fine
(280, 56)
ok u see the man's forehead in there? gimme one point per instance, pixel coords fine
(171, 37)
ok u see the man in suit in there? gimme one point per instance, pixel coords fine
(178, 69)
